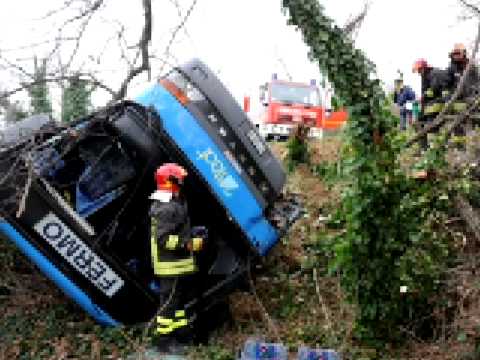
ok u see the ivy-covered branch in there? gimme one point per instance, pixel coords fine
(352, 74)
(388, 242)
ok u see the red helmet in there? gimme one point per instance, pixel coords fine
(169, 176)
(419, 65)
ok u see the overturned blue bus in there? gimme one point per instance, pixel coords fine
(75, 199)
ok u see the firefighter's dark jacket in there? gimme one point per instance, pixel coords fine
(170, 232)
(435, 91)
(470, 86)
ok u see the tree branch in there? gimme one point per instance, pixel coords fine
(17, 67)
(470, 7)
(87, 12)
(65, 6)
(143, 50)
(95, 6)
(180, 16)
(355, 23)
(83, 27)
(175, 32)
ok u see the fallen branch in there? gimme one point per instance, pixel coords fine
(26, 190)
(469, 215)
(320, 299)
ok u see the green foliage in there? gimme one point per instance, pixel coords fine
(330, 173)
(337, 103)
(75, 100)
(298, 153)
(389, 218)
(39, 94)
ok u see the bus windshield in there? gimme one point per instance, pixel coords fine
(289, 93)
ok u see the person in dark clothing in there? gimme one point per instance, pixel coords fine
(402, 97)
(458, 64)
(172, 251)
(434, 82)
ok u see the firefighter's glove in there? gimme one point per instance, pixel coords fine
(199, 235)
(200, 231)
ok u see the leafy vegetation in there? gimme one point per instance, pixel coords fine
(39, 94)
(75, 100)
(391, 255)
(297, 146)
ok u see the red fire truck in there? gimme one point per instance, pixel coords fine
(287, 104)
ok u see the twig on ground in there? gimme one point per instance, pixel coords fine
(28, 184)
(320, 299)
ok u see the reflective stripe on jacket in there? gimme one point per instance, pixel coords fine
(169, 259)
(433, 108)
(166, 326)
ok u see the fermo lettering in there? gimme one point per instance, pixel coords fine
(78, 254)
(224, 179)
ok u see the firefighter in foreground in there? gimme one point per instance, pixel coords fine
(172, 251)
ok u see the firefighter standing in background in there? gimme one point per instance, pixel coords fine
(434, 84)
(172, 251)
(458, 64)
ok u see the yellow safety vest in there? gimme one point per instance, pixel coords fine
(164, 267)
(459, 106)
(434, 108)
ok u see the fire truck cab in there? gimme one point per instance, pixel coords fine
(288, 104)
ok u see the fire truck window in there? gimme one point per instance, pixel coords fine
(295, 94)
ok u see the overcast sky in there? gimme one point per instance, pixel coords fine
(246, 41)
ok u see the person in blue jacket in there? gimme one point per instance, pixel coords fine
(404, 97)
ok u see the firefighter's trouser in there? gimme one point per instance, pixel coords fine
(459, 107)
(173, 319)
(425, 120)
(172, 269)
